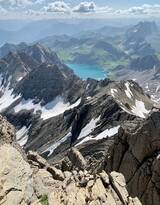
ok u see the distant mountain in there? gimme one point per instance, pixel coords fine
(8, 47)
(135, 38)
(145, 63)
(28, 31)
(141, 31)
(99, 47)
(15, 66)
(41, 54)
(87, 50)
(21, 59)
(105, 31)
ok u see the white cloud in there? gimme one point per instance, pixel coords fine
(16, 3)
(145, 9)
(40, 1)
(85, 7)
(3, 11)
(32, 12)
(57, 7)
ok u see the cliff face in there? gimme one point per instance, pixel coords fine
(135, 153)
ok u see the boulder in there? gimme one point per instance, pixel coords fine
(7, 131)
(76, 159)
(94, 192)
(15, 178)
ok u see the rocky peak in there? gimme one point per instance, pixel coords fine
(7, 47)
(15, 66)
(141, 30)
(41, 54)
(135, 39)
(46, 82)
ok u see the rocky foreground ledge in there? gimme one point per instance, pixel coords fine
(29, 179)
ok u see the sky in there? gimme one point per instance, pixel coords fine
(78, 8)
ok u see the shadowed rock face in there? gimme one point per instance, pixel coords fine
(135, 153)
(46, 82)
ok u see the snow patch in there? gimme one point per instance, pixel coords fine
(7, 98)
(87, 87)
(57, 144)
(158, 156)
(22, 135)
(51, 109)
(157, 89)
(113, 92)
(19, 79)
(88, 128)
(128, 91)
(57, 107)
(106, 133)
(139, 109)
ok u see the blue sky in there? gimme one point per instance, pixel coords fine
(119, 3)
(78, 8)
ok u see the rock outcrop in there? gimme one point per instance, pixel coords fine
(16, 180)
(7, 131)
(34, 181)
(135, 153)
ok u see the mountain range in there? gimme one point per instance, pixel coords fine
(108, 51)
(16, 31)
(67, 141)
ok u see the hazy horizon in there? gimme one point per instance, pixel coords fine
(40, 9)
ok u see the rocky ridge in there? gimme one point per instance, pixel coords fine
(135, 153)
(35, 181)
(30, 179)
(96, 116)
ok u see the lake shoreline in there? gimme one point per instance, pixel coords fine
(85, 71)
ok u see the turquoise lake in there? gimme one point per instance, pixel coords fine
(85, 71)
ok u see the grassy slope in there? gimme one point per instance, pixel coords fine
(96, 55)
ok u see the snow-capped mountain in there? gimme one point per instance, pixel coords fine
(38, 91)
(34, 80)
(53, 110)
